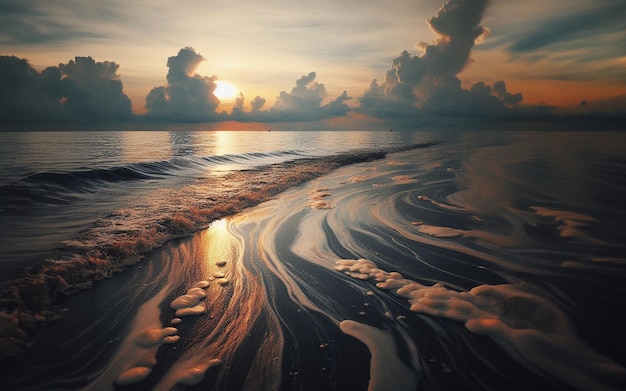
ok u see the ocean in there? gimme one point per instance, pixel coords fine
(390, 260)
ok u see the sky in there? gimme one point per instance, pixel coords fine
(336, 63)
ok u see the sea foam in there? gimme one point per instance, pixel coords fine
(513, 315)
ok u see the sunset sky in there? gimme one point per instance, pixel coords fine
(293, 60)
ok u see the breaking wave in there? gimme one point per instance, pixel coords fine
(58, 187)
(122, 238)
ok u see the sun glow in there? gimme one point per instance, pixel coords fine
(224, 90)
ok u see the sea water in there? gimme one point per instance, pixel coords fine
(469, 260)
(55, 185)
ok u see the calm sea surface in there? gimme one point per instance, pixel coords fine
(467, 260)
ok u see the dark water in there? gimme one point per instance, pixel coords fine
(484, 261)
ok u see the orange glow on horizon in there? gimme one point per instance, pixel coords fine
(563, 93)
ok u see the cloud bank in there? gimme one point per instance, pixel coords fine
(81, 90)
(417, 89)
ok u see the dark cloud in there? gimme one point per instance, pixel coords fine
(499, 90)
(480, 100)
(95, 90)
(426, 85)
(187, 96)
(82, 90)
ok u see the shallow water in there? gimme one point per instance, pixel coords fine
(60, 190)
(487, 261)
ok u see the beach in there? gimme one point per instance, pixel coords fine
(478, 260)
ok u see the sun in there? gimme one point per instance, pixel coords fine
(224, 90)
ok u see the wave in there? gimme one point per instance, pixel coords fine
(395, 274)
(127, 235)
(63, 187)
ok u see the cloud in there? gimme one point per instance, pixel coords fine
(257, 104)
(577, 40)
(602, 16)
(426, 85)
(238, 106)
(307, 101)
(95, 91)
(82, 90)
(188, 97)
(27, 23)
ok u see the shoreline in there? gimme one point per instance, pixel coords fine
(34, 299)
(460, 266)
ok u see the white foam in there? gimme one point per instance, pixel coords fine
(133, 376)
(440, 232)
(320, 204)
(358, 178)
(513, 315)
(153, 336)
(171, 339)
(403, 179)
(387, 371)
(440, 204)
(572, 224)
(197, 309)
(195, 374)
(316, 199)
(190, 299)
(192, 302)
(223, 281)
(202, 284)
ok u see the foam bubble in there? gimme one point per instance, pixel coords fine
(403, 179)
(358, 178)
(573, 225)
(316, 199)
(192, 302)
(133, 376)
(514, 315)
(439, 204)
(153, 336)
(190, 299)
(197, 309)
(202, 284)
(440, 232)
(195, 374)
(171, 339)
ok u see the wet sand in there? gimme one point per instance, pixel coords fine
(402, 273)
